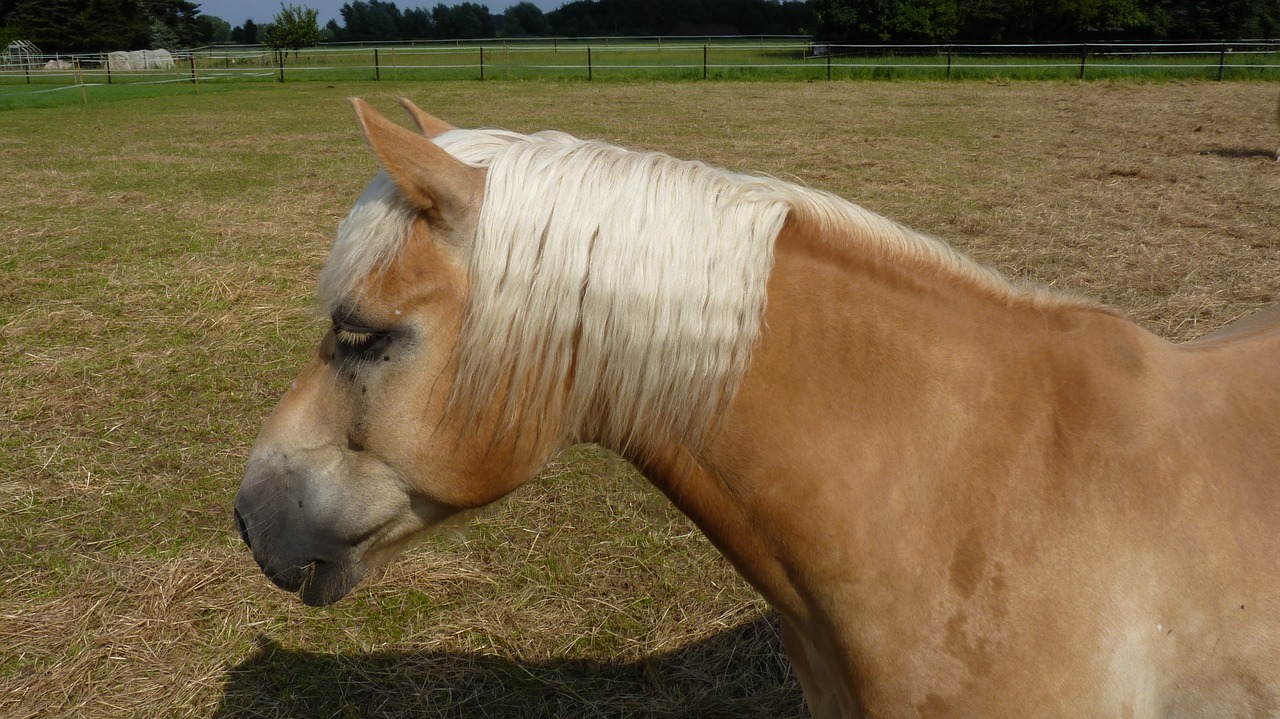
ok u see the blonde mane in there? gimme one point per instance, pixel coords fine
(627, 287)
(630, 285)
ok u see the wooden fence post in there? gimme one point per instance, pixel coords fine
(1222, 60)
(482, 63)
(1084, 55)
(194, 79)
(828, 63)
(590, 71)
(377, 70)
(84, 95)
(704, 62)
(949, 49)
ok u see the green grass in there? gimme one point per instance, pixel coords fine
(159, 255)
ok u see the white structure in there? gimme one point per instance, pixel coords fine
(20, 53)
(59, 65)
(140, 60)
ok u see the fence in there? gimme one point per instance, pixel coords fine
(660, 58)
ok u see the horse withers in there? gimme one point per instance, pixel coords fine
(964, 498)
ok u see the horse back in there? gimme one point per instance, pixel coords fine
(1232, 378)
(1236, 369)
(1262, 322)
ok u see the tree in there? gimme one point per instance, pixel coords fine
(180, 17)
(463, 21)
(214, 29)
(937, 21)
(82, 25)
(983, 20)
(416, 24)
(928, 21)
(97, 25)
(294, 27)
(883, 20)
(162, 36)
(667, 17)
(1216, 20)
(246, 34)
(371, 20)
(524, 19)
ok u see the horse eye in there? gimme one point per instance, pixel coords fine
(356, 339)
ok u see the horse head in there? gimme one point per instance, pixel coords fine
(362, 452)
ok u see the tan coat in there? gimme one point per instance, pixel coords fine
(964, 501)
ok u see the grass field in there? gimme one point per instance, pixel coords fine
(158, 258)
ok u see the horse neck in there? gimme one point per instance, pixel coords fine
(866, 383)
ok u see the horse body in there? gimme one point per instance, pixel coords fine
(970, 509)
(963, 498)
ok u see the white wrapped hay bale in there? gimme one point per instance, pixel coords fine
(158, 59)
(118, 60)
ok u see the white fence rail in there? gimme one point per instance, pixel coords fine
(668, 58)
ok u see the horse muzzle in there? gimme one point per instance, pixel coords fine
(292, 518)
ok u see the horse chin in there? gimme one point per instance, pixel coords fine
(325, 583)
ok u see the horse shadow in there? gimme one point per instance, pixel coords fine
(740, 672)
(1241, 153)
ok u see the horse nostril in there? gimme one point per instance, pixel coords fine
(242, 527)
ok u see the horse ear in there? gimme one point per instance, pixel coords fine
(429, 124)
(430, 178)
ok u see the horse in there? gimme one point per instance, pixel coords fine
(964, 497)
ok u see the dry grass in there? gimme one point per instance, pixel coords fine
(158, 258)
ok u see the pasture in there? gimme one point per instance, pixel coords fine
(159, 257)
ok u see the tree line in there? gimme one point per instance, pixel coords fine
(945, 21)
(873, 21)
(382, 20)
(97, 25)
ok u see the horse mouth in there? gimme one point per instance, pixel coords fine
(317, 567)
(322, 583)
(317, 582)
(304, 555)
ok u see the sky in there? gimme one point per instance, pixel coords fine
(237, 11)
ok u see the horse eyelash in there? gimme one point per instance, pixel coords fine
(351, 338)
